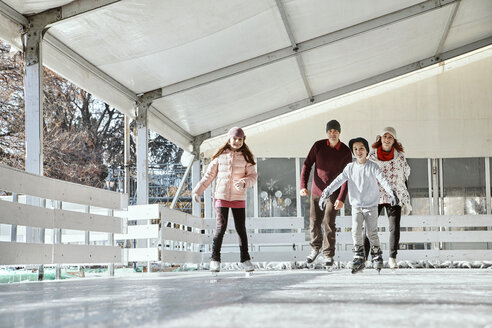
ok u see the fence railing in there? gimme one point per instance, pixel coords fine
(188, 239)
(84, 224)
(436, 238)
(57, 205)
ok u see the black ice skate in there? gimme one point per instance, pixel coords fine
(359, 262)
(377, 258)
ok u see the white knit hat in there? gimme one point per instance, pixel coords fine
(389, 130)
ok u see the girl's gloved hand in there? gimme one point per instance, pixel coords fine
(239, 185)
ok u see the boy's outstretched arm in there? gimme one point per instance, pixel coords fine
(334, 185)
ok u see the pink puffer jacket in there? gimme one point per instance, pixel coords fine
(229, 166)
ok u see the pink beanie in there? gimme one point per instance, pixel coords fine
(236, 132)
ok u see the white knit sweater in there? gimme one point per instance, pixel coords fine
(396, 172)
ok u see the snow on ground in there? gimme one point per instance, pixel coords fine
(288, 298)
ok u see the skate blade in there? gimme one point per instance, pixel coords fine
(248, 274)
(214, 273)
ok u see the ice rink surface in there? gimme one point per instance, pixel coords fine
(291, 298)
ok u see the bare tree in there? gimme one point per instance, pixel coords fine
(82, 135)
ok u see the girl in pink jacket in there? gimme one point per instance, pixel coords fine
(234, 168)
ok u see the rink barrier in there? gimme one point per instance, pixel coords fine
(46, 203)
(143, 227)
(188, 239)
(425, 238)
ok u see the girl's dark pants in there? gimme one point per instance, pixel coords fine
(239, 215)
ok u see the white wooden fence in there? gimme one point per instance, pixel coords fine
(188, 239)
(429, 238)
(183, 238)
(42, 191)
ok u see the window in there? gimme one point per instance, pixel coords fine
(418, 186)
(276, 187)
(464, 186)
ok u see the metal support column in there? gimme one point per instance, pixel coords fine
(127, 156)
(33, 95)
(142, 155)
(488, 200)
(196, 208)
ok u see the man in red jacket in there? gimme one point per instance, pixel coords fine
(330, 156)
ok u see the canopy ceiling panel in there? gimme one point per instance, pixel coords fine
(9, 32)
(150, 44)
(374, 52)
(312, 18)
(27, 7)
(241, 96)
(225, 62)
(473, 21)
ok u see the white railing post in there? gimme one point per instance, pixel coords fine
(57, 239)
(488, 185)
(13, 227)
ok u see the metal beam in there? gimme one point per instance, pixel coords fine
(446, 29)
(356, 86)
(308, 45)
(300, 62)
(83, 6)
(13, 14)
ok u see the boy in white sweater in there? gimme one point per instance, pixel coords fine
(362, 176)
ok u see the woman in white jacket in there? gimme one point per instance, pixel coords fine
(234, 168)
(387, 152)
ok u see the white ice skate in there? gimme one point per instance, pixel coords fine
(248, 268)
(312, 256)
(214, 267)
(392, 264)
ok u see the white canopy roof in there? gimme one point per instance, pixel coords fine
(221, 63)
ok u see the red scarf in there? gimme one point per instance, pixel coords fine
(386, 155)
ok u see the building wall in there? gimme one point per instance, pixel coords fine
(442, 112)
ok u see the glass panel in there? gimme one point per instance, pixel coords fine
(276, 187)
(305, 201)
(418, 186)
(464, 186)
(250, 199)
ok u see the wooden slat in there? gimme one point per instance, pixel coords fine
(288, 256)
(142, 254)
(24, 253)
(429, 255)
(178, 217)
(68, 254)
(34, 216)
(139, 232)
(266, 238)
(170, 256)
(140, 212)
(263, 223)
(428, 221)
(185, 236)
(34, 185)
